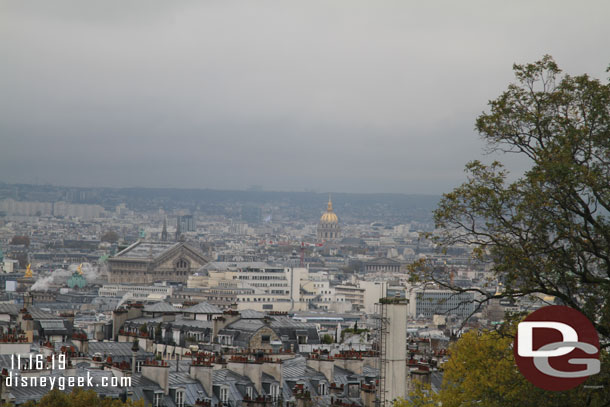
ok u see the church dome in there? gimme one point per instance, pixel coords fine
(328, 228)
(329, 216)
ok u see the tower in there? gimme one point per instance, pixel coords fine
(328, 227)
(392, 337)
(164, 231)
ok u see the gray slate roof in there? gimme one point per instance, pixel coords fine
(236, 383)
(251, 314)
(160, 307)
(118, 350)
(36, 313)
(193, 390)
(203, 308)
(146, 249)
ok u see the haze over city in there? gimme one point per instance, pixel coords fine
(328, 96)
(337, 203)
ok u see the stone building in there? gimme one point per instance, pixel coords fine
(381, 265)
(328, 227)
(147, 262)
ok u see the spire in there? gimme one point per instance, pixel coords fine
(164, 231)
(329, 208)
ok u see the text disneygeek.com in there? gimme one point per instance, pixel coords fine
(61, 382)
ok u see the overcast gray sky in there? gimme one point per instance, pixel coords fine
(352, 96)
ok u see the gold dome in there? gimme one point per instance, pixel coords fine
(329, 216)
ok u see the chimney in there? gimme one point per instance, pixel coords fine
(119, 316)
(80, 340)
(367, 394)
(157, 372)
(26, 324)
(351, 361)
(28, 299)
(327, 368)
(274, 369)
(313, 363)
(203, 372)
(252, 370)
(227, 318)
(134, 351)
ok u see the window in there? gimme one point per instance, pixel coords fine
(224, 394)
(182, 265)
(138, 366)
(322, 388)
(265, 338)
(250, 392)
(353, 389)
(180, 398)
(275, 392)
(157, 400)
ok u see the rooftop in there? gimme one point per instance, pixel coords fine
(202, 308)
(160, 307)
(142, 250)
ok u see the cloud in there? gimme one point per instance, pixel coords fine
(342, 95)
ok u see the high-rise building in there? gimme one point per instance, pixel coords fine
(186, 223)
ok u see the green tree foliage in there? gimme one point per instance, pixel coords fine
(110, 236)
(549, 230)
(481, 372)
(420, 396)
(327, 339)
(80, 398)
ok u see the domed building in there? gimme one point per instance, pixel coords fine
(328, 228)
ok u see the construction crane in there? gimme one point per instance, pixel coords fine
(302, 246)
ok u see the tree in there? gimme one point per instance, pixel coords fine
(548, 231)
(21, 240)
(420, 396)
(110, 236)
(481, 371)
(80, 398)
(327, 339)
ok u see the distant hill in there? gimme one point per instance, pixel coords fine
(306, 206)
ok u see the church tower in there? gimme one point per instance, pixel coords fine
(328, 227)
(164, 231)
